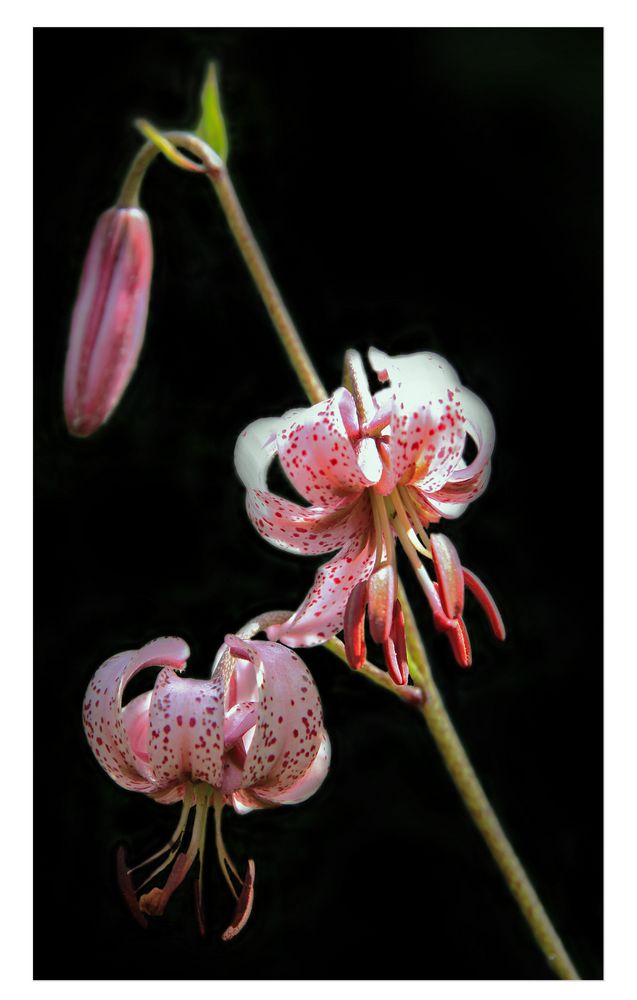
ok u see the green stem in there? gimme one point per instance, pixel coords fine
(255, 262)
(478, 805)
(412, 695)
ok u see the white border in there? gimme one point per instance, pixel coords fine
(579, 485)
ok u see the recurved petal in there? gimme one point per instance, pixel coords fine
(289, 730)
(104, 720)
(432, 509)
(479, 424)
(427, 430)
(322, 613)
(254, 450)
(305, 530)
(135, 718)
(186, 729)
(317, 455)
(308, 783)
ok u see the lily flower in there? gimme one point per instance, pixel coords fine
(374, 469)
(109, 318)
(252, 737)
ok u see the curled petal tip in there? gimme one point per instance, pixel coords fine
(169, 651)
(244, 905)
(238, 646)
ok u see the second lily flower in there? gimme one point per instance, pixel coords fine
(373, 469)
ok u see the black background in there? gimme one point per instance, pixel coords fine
(412, 189)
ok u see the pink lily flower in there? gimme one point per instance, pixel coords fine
(252, 737)
(373, 469)
(109, 318)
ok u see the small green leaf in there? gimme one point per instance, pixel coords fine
(211, 127)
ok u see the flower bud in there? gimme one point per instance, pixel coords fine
(109, 318)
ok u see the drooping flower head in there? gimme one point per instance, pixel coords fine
(373, 469)
(252, 736)
(109, 318)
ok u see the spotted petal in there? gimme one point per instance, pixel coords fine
(427, 426)
(289, 730)
(322, 613)
(186, 729)
(304, 530)
(308, 783)
(289, 526)
(104, 719)
(467, 482)
(317, 455)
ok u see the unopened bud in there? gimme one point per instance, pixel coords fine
(109, 318)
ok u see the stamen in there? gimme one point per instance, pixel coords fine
(427, 585)
(459, 640)
(401, 513)
(398, 636)
(178, 833)
(127, 889)
(386, 528)
(225, 861)
(449, 573)
(354, 626)
(199, 883)
(486, 602)
(381, 594)
(244, 905)
(155, 901)
(414, 516)
(395, 648)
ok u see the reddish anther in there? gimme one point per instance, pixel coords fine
(127, 888)
(354, 626)
(449, 574)
(244, 905)
(395, 648)
(459, 642)
(398, 637)
(381, 595)
(486, 602)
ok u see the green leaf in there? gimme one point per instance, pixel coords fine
(211, 127)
